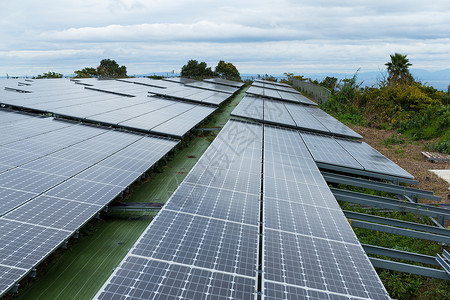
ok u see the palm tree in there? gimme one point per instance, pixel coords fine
(398, 68)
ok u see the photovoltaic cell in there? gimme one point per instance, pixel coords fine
(371, 159)
(9, 277)
(320, 264)
(202, 242)
(216, 203)
(10, 199)
(291, 115)
(142, 278)
(53, 212)
(25, 245)
(327, 150)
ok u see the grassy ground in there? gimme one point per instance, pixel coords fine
(80, 271)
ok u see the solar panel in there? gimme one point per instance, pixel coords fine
(216, 203)
(190, 93)
(225, 82)
(211, 223)
(213, 87)
(291, 115)
(327, 150)
(139, 112)
(55, 178)
(10, 199)
(332, 269)
(371, 159)
(332, 124)
(25, 245)
(142, 278)
(307, 241)
(54, 213)
(279, 95)
(182, 80)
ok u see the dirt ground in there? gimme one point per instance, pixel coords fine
(408, 156)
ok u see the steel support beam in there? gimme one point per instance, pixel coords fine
(420, 258)
(379, 186)
(388, 203)
(401, 231)
(398, 223)
(407, 268)
(444, 261)
(369, 174)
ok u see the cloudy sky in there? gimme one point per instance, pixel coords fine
(304, 36)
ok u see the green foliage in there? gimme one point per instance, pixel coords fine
(398, 69)
(290, 77)
(110, 69)
(86, 73)
(107, 69)
(155, 77)
(194, 69)
(330, 83)
(227, 71)
(49, 75)
(267, 77)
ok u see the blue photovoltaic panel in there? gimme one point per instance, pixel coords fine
(327, 150)
(216, 203)
(55, 177)
(210, 223)
(372, 160)
(202, 242)
(307, 241)
(142, 278)
(291, 115)
(225, 82)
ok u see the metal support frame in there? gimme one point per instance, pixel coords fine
(398, 223)
(439, 222)
(401, 231)
(379, 186)
(413, 269)
(369, 174)
(416, 257)
(444, 261)
(33, 273)
(397, 205)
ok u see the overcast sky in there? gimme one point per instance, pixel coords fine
(257, 36)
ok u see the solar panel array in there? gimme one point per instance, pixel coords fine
(54, 177)
(225, 82)
(279, 95)
(193, 94)
(291, 115)
(205, 242)
(309, 248)
(114, 103)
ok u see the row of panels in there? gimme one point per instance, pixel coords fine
(211, 226)
(54, 177)
(139, 112)
(327, 149)
(279, 95)
(292, 115)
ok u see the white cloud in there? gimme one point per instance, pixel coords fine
(258, 36)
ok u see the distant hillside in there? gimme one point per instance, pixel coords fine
(438, 79)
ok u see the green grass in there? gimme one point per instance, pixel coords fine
(80, 271)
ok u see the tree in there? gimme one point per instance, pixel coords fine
(49, 75)
(227, 71)
(110, 69)
(330, 83)
(194, 69)
(398, 69)
(86, 73)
